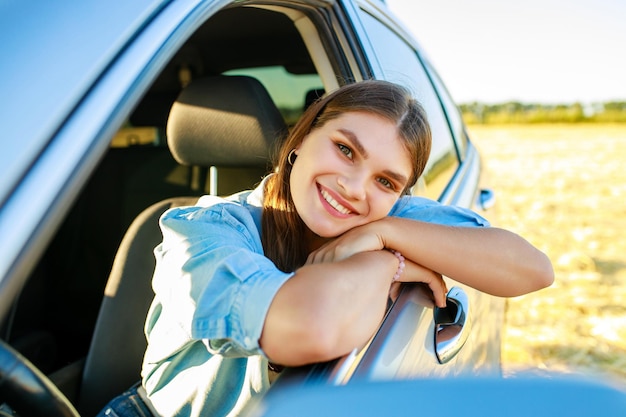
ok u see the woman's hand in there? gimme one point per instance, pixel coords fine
(367, 238)
(360, 239)
(416, 273)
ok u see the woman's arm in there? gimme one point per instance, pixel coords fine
(334, 304)
(327, 309)
(492, 260)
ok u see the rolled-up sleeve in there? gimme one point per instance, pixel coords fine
(212, 281)
(423, 209)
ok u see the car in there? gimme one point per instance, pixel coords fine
(89, 164)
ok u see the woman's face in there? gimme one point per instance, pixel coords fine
(348, 173)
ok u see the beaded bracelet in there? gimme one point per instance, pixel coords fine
(401, 264)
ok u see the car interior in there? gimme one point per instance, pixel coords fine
(214, 137)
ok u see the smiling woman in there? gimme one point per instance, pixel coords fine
(335, 227)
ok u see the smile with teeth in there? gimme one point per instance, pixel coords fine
(341, 209)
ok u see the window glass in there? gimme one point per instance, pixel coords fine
(129, 135)
(401, 65)
(452, 110)
(289, 91)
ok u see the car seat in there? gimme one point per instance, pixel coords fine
(219, 121)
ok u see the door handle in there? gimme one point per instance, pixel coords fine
(452, 325)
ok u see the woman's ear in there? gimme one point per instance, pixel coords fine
(297, 148)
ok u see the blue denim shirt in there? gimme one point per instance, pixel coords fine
(213, 287)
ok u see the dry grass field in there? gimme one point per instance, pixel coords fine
(563, 187)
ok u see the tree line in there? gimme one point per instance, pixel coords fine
(516, 112)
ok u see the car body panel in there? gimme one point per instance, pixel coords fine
(553, 395)
(73, 56)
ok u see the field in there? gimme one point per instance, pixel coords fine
(563, 187)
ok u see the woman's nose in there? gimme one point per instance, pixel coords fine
(353, 186)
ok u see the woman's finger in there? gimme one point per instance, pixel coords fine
(416, 273)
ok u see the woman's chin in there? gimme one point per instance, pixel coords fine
(329, 232)
(326, 229)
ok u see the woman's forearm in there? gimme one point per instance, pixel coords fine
(327, 309)
(491, 260)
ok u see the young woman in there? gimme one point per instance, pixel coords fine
(300, 270)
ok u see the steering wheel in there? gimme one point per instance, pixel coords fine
(27, 390)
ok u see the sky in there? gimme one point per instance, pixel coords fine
(532, 51)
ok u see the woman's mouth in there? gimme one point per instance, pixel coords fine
(334, 203)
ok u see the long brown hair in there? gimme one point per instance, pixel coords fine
(283, 232)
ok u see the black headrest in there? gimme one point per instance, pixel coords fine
(224, 121)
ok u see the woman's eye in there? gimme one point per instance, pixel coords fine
(386, 183)
(345, 150)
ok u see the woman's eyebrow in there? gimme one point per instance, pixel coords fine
(397, 176)
(354, 140)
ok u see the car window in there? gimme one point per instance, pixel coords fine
(452, 110)
(288, 90)
(400, 64)
(129, 135)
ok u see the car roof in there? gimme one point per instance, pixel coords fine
(52, 53)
